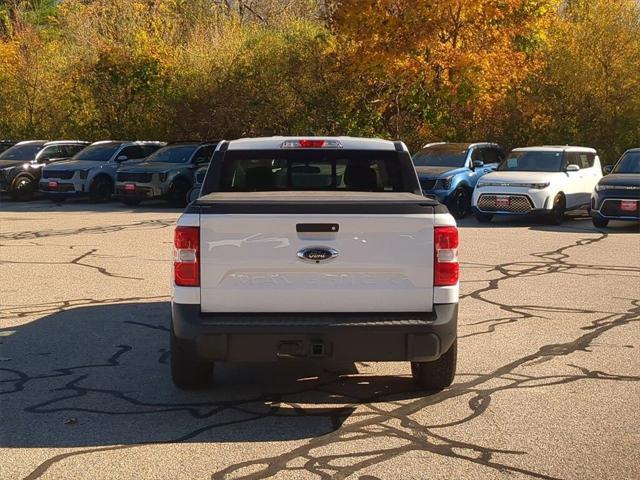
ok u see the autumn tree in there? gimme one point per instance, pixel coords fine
(434, 69)
(589, 91)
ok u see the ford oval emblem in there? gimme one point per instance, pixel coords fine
(317, 254)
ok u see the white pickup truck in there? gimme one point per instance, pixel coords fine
(314, 248)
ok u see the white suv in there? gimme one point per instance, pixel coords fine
(547, 180)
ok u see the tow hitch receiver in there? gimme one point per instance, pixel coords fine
(301, 349)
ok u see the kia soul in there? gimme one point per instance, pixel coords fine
(311, 249)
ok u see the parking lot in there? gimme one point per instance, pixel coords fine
(548, 382)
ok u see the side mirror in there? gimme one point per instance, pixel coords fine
(572, 167)
(194, 194)
(122, 158)
(608, 169)
(478, 164)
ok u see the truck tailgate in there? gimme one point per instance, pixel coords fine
(250, 262)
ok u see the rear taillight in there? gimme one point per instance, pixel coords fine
(186, 256)
(445, 265)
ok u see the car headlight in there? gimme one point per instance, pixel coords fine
(445, 183)
(537, 186)
(84, 174)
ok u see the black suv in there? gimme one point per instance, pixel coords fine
(166, 174)
(617, 195)
(21, 165)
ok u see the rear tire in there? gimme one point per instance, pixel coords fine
(599, 222)
(460, 203)
(438, 374)
(484, 217)
(188, 372)
(101, 190)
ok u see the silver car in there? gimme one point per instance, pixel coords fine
(91, 172)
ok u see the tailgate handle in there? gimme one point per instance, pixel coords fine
(317, 227)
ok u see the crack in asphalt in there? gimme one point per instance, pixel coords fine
(75, 261)
(99, 230)
(276, 464)
(395, 428)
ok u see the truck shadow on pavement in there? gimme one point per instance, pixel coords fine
(99, 375)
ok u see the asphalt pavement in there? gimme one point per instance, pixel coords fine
(548, 382)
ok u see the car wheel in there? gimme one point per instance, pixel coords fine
(599, 222)
(101, 190)
(132, 202)
(187, 371)
(178, 194)
(483, 217)
(437, 374)
(460, 203)
(23, 188)
(557, 212)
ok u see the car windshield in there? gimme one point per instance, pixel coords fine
(22, 152)
(629, 163)
(101, 152)
(173, 154)
(295, 170)
(532, 161)
(441, 156)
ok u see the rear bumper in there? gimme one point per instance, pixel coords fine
(339, 336)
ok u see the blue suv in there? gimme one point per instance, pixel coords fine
(450, 171)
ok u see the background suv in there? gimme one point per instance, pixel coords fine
(21, 165)
(546, 180)
(450, 171)
(617, 196)
(168, 173)
(92, 171)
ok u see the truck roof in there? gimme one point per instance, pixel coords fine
(555, 148)
(275, 143)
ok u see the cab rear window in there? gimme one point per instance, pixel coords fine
(295, 170)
